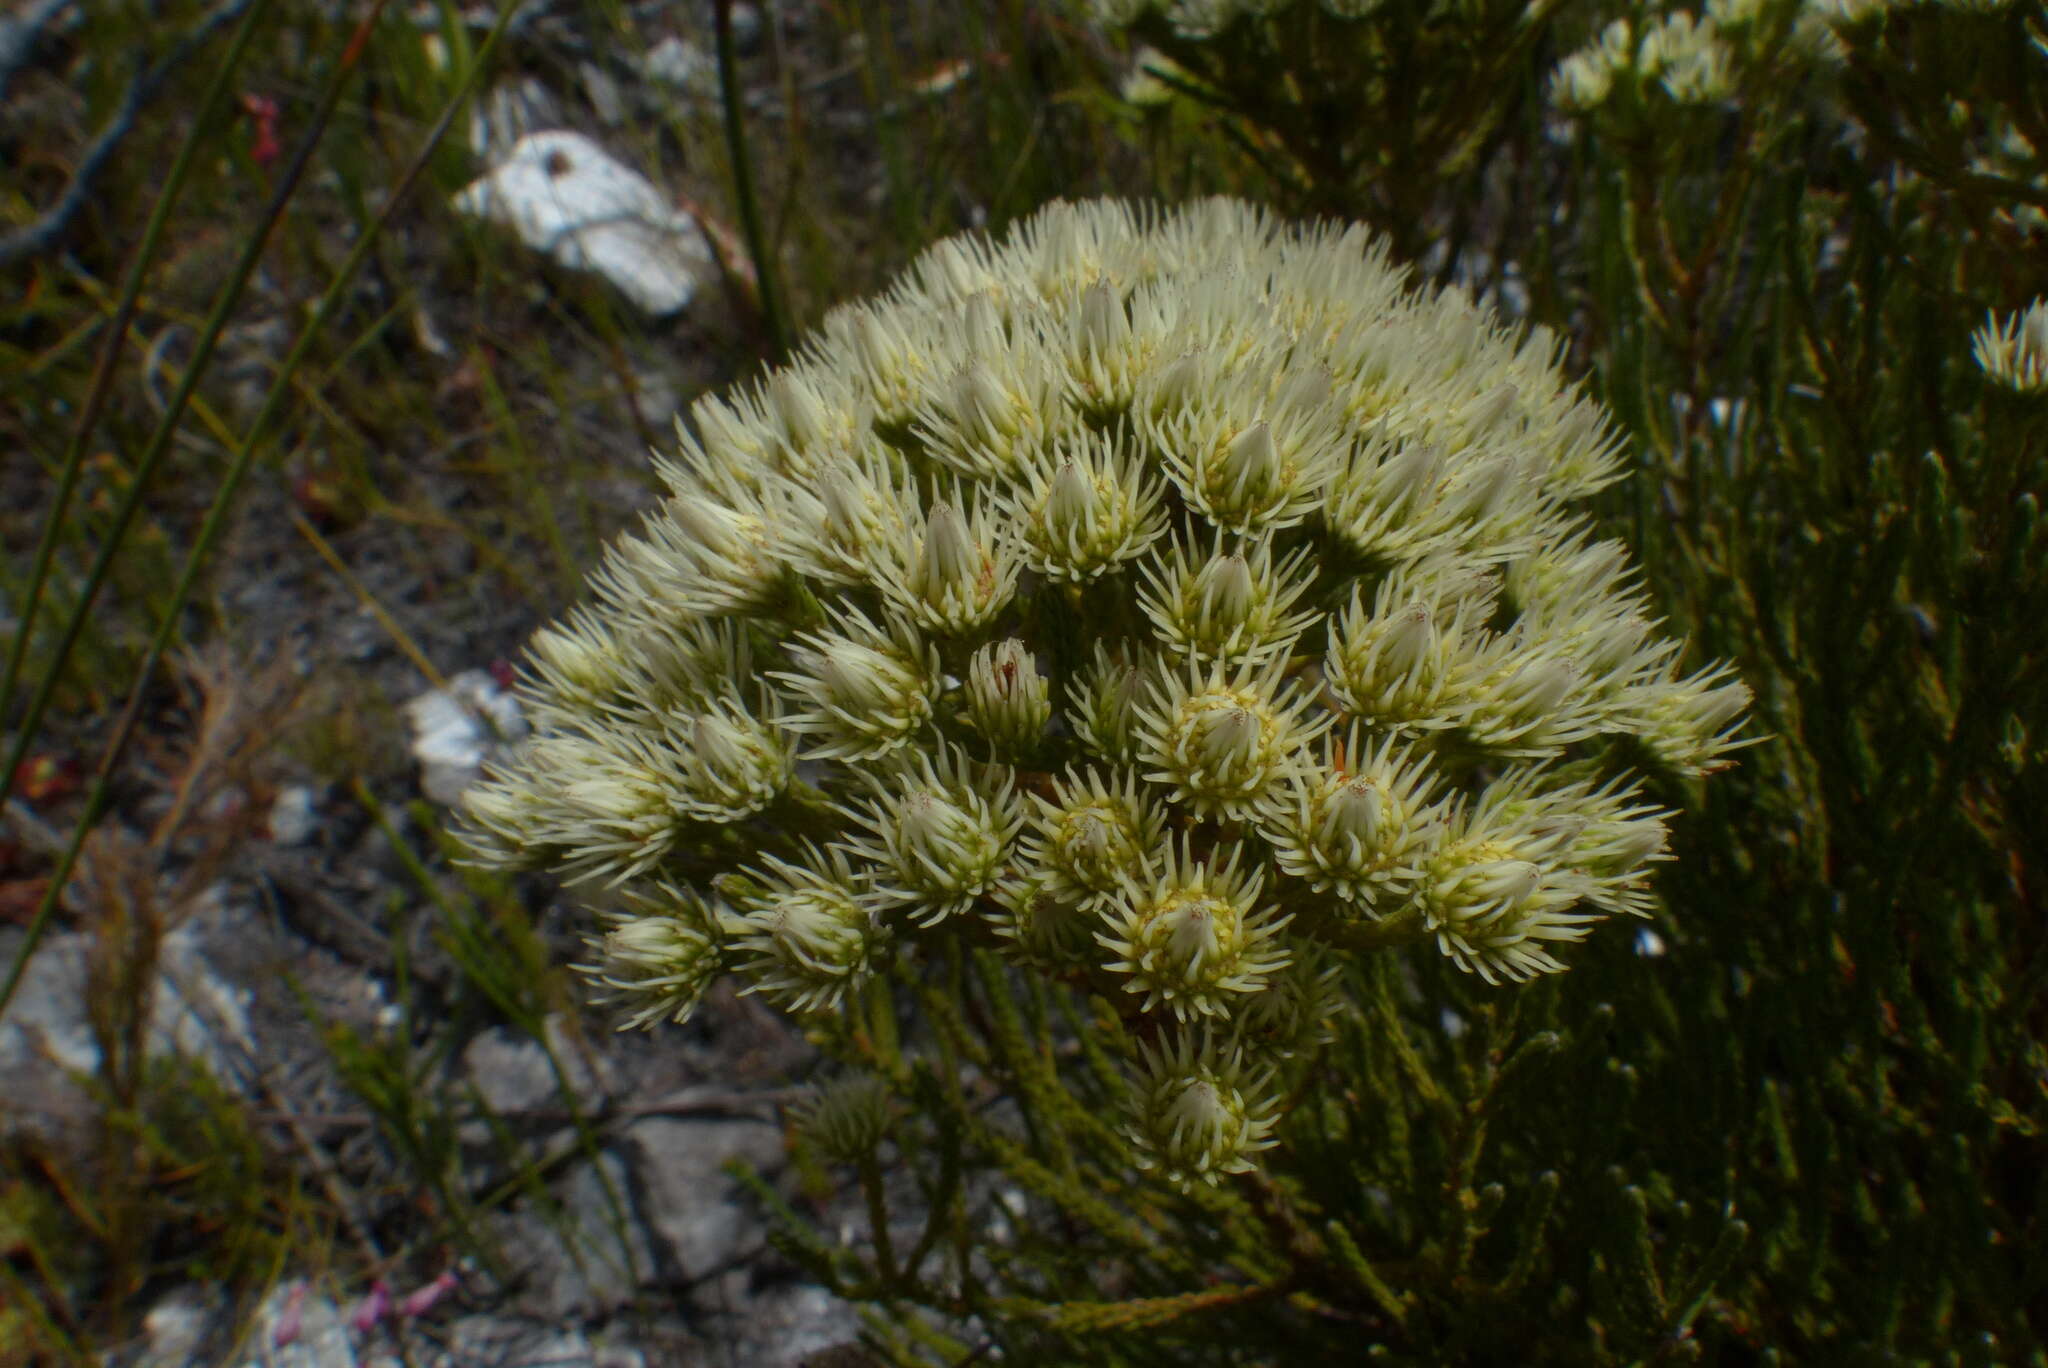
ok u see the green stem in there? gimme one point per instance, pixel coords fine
(95, 400)
(223, 499)
(1402, 928)
(743, 181)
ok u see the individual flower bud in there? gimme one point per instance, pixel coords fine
(657, 965)
(1703, 74)
(890, 350)
(1062, 252)
(1362, 824)
(613, 809)
(1105, 354)
(1091, 838)
(1231, 606)
(1192, 937)
(1253, 479)
(725, 765)
(957, 576)
(1104, 709)
(1530, 702)
(504, 820)
(847, 1118)
(577, 666)
(705, 553)
(869, 690)
(1198, 1110)
(1008, 701)
(1582, 81)
(1298, 1009)
(1387, 503)
(1084, 509)
(1043, 929)
(1494, 912)
(2013, 351)
(1223, 741)
(940, 835)
(989, 418)
(853, 520)
(1615, 848)
(816, 414)
(1556, 581)
(808, 928)
(1174, 387)
(1411, 661)
(1689, 724)
(956, 269)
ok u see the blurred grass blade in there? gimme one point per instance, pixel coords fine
(238, 469)
(743, 181)
(103, 373)
(174, 411)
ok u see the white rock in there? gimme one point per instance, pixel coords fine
(568, 197)
(322, 1338)
(457, 728)
(691, 1201)
(683, 65)
(175, 1329)
(512, 1073)
(292, 819)
(194, 1012)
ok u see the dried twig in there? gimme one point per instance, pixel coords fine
(48, 230)
(736, 1106)
(18, 35)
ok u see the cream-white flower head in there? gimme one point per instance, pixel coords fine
(1169, 600)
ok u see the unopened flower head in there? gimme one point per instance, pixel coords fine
(939, 834)
(658, 960)
(1191, 936)
(809, 927)
(1172, 600)
(1092, 838)
(847, 1118)
(1360, 823)
(1222, 740)
(1009, 700)
(1199, 1111)
(2013, 351)
(1229, 602)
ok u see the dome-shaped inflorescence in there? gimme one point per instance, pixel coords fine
(1168, 600)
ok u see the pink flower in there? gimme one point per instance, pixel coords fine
(262, 111)
(372, 1308)
(291, 1317)
(422, 1300)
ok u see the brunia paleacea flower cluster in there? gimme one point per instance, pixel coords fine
(1171, 601)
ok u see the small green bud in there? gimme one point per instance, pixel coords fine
(847, 1118)
(1008, 701)
(1198, 1112)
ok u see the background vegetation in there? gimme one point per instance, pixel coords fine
(259, 375)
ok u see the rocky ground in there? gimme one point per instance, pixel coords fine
(537, 1190)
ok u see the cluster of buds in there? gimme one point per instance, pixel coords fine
(1201, 19)
(1679, 58)
(1167, 601)
(2013, 351)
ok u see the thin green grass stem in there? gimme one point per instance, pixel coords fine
(743, 182)
(103, 379)
(238, 469)
(174, 411)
